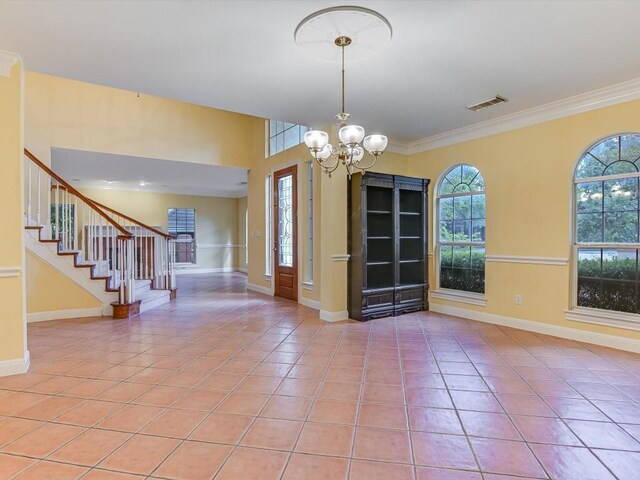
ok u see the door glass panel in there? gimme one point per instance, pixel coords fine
(285, 221)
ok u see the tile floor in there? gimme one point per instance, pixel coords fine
(226, 384)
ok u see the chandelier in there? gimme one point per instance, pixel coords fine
(353, 144)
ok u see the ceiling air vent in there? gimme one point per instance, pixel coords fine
(474, 107)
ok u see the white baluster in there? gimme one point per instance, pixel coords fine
(57, 200)
(38, 217)
(48, 213)
(29, 217)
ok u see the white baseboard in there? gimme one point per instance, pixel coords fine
(59, 314)
(334, 316)
(190, 270)
(307, 302)
(257, 288)
(15, 366)
(612, 341)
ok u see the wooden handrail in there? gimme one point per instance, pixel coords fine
(126, 217)
(69, 188)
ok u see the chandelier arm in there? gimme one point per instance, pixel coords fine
(328, 169)
(367, 167)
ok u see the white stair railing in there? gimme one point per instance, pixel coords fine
(153, 251)
(66, 217)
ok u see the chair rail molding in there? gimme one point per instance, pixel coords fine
(6, 272)
(527, 260)
(342, 257)
(7, 60)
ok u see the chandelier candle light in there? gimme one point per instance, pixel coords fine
(352, 141)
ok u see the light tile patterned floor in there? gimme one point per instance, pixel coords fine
(234, 385)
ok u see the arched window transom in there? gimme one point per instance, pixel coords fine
(461, 229)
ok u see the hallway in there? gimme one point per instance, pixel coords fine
(232, 384)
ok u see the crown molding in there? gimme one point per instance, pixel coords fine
(397, 147)
(603, 97)
(7, 59)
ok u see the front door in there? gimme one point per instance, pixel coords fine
(285, 234)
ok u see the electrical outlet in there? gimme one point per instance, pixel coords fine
(518, 299)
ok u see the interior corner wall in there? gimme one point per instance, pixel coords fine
(528, 174)
(217, 221)
(13, 335)
(48, 290)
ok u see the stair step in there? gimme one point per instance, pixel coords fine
(153, 298)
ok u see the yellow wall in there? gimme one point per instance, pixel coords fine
(83, 116)
(528, 174)
(216, 220)
(12, 297)
(49, 290)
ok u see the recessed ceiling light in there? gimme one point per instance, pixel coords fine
(142, 184)
(109, 181)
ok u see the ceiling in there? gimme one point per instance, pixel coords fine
(241, 56)
(95, 170)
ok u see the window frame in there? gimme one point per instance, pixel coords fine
(594, 315)
(309, 263)
(463, 296)
(268, 226)
(195, 248)
(269, 139)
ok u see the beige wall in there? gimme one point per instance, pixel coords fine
(216, 220)
(83, 116)
(48, 290)
(12, 297)
(528, 174)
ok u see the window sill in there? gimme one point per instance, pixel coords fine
(460, 296)
(608, 318)
(185, 265)
(267, 276)
(307, 285)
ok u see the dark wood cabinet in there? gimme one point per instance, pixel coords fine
(388, 245)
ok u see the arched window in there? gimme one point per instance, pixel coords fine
(461, 230)
(606, 225)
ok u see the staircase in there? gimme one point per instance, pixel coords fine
(124, 263)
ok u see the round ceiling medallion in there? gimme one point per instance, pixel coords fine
(319, 33)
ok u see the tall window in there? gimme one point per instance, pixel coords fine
(268, 225)
(606, 225)
(309, 275)
(246, 236)
(284, 135)
(461, 229)
(182, 227)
